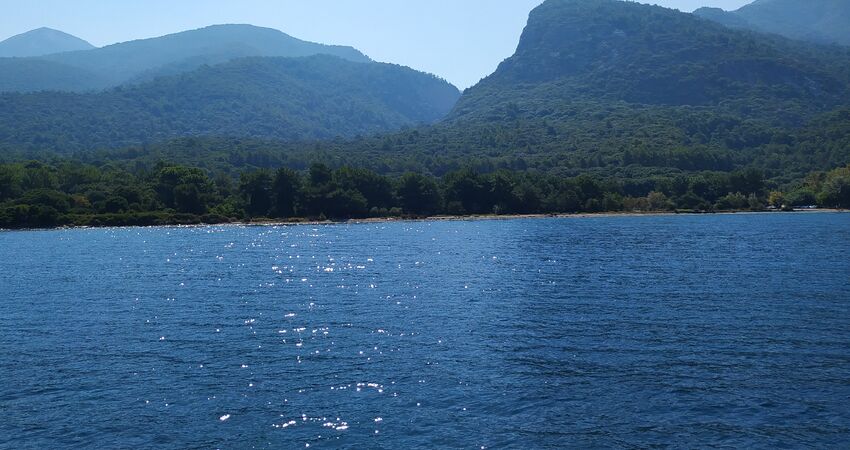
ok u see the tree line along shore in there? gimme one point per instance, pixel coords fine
(39, 195)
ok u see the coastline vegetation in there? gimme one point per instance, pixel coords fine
(71, 193)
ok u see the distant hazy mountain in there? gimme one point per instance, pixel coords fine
(176, 53)
(283, 98)
(821, 21)
(40, 42)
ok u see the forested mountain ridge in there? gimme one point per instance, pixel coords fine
(610, 51)
(40, 42)
(283, 98)
(820, 21)
(613, 86)
(146, 59)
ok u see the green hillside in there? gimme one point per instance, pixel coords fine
(282, 98)
(611, 51)
(613, 84)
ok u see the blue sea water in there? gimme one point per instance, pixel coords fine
(681, 331)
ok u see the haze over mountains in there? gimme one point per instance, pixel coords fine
(145, 59)
(821, 21)
(40, 42)
(231, 80)
(303, 98)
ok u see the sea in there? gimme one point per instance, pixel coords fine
(579, 332)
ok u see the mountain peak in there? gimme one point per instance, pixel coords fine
(648, 55)
(821, 21)
(146, 59)
(41, 41)
(251, 40)
(566, 37)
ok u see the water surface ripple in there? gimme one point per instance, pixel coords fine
(548, 333)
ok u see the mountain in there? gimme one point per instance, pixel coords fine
(606, 87)
(40, 42)
(631, 90)
(613, 51)
(145, 59)
(302, 98)
(606, 106)
(722, 17)
(820, 21)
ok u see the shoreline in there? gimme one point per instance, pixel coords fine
(484, 217)
(439, 218)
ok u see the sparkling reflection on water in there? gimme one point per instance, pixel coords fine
(717, 330)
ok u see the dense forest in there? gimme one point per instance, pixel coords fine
(34, 194)
(636, 150)
(608, 84)
(284, 98)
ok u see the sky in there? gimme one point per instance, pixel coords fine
(459, 40)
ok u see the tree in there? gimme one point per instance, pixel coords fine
(286, 192)
(418, 194)
(755, 203)
(836, 189)
(501, 186)
(38, 176)
(48, 198)
(168, 178)
(526, 199)
(256, 191)
(465, 188)
(187, 199)
(730, 202)
(589, 187)
(344, 204)
(776, 199)
(749, 181)
(801, 197)
(116, 204)
(564, 200)
(657, 201)
(10, 183)
(376, 189)
(689, 200)
(320, 176)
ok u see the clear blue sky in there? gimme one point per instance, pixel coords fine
(459, 40)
